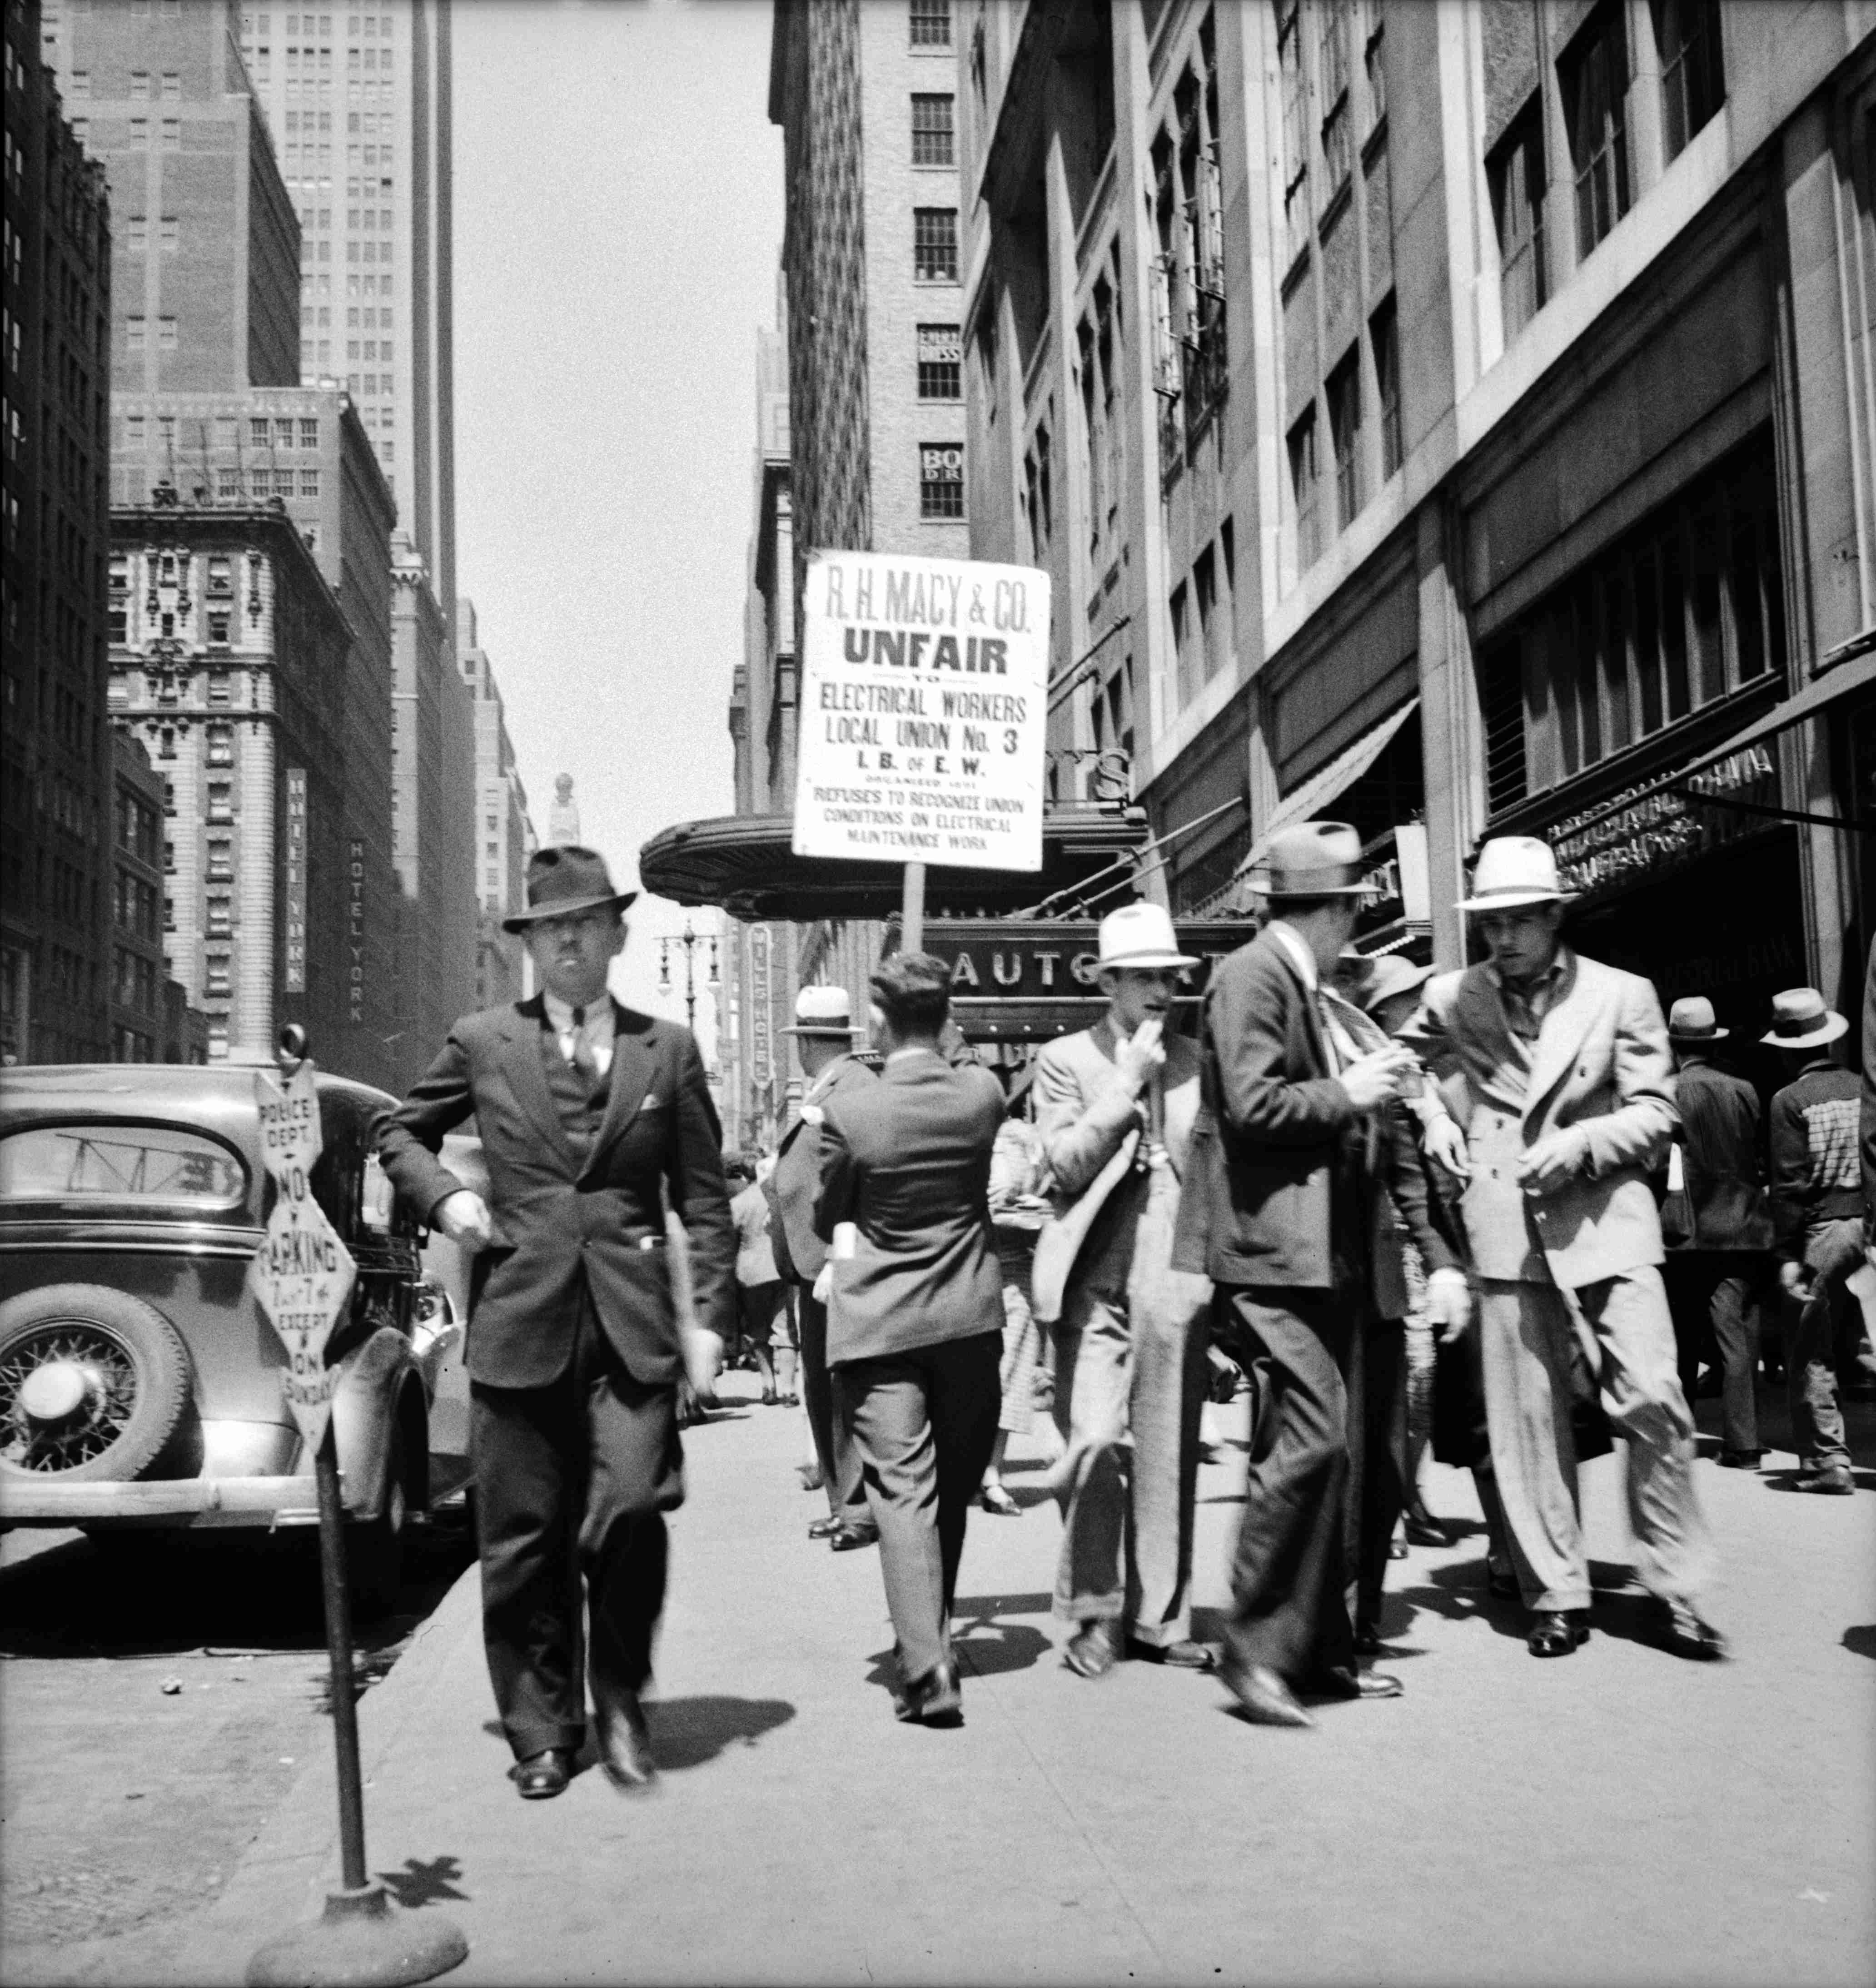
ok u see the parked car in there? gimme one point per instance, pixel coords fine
(139, 1382)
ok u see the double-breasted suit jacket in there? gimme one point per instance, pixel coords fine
(1600, 1062)
(565, 1220)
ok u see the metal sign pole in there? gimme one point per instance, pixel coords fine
(912, 910)
(302, 1279)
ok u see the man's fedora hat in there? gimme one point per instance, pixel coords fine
(1691, 1020)
(1313, 859)
(822, 1011)
(1514, 871)
(1389, 975)
(564, 879)
(1801, 1021)
(1141, 935)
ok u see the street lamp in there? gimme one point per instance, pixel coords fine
(689, 940)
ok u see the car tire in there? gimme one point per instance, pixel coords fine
(138, 1391)
(374, 1548)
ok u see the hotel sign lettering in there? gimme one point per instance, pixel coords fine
(1628, 840)
(295, 981)
(761, 1066)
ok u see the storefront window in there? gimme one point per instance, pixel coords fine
(1686, 609)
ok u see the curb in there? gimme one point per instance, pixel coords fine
(281, 1876)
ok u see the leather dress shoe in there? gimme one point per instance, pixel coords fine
(1555, 1632)
(1186, 1654)
(1090, 1651)
(1833, 1479)
(625, 1743)
(1688, 1634)
(1740, 1459)
(1263, 1696)
(934, 1700)
(1423, 1529)
(823, 1529)
(1346, 1681)
(542, 1776)
(849, 1538)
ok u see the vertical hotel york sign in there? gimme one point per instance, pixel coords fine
(924, 703)
(295, 879)
(355, 932)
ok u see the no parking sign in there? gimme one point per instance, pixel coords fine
(302, 1273)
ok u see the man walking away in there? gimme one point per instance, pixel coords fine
(823, 1036)
(915, 1313)
(1817, 1225)
(1566, 1061)
(1713, 1274)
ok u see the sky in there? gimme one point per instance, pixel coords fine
(618, 199)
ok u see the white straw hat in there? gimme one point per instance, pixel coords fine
(1141, 935)
(1514, 871)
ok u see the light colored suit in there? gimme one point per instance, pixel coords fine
(1600, 1062)
(1129, 1378)
(1583, 1260)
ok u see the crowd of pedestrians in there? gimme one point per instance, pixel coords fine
(1505, 1213)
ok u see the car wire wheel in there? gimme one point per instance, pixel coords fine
(94, 1385)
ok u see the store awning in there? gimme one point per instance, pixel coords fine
(1306, 802)
(745, 864)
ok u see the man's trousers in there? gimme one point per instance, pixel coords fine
(1818, 1330)
(830, 1419)
(1378, 1488)
(1290, 1599)
(1712, 1293)
(573, 1480)
(926, 1422)
(1129, 1395)
(1622, 1326)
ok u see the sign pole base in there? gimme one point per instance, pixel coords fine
(359, 1940)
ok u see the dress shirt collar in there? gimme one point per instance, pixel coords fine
(1550, 986)
(1301, 957)
(597, 1012)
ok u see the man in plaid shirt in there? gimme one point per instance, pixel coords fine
(1817, 1225)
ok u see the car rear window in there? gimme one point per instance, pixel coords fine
(162, 1168)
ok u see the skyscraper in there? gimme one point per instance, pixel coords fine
(359, 105)
(55, 779)
(503, 829)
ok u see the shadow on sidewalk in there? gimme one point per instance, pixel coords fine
(692, 1732)
(424, 1884)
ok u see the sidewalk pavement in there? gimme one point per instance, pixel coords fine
(1620, 1816)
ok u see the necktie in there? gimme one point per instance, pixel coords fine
(583, 1050)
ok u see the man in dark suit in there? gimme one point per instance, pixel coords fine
(591, 1117)
(915, 1307)
(1713, 1264)
(823, 1036)
(1281, 1209)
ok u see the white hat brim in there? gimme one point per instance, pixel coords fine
(1715, 1034)
(1512, 900)
(1148, 962)
(1833, 1025)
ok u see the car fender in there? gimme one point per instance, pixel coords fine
(373, 1380)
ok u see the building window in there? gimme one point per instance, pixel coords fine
(216, 974)
(934, 245)
(166, 334)
(941, 354)
(1693, 76)
(259, 433)
(941, 480)
(172, 233)
(220, 919)
(135, 235)
(309, 483)
(221, 746)
(283, 432)
(1516, 174)
(308, 434)
(221, 801)
(1296, 124)
(1688, 608)
(227, 486)
(1384, 337)
(1595, 80)
(1303, 489)
(1332, 79)
(931, 24)
(1376, 65)
(172, 134)
(1344, 391)
(283, 483)
(218, 627)
(134, 330)
(933, 136)
(220, 858)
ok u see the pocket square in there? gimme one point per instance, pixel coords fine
(652, 1101)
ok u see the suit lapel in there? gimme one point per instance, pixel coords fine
(1305, 997)
(1560, 1037)
(632, 1067)
(1479, 1013)
(521, 1061)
